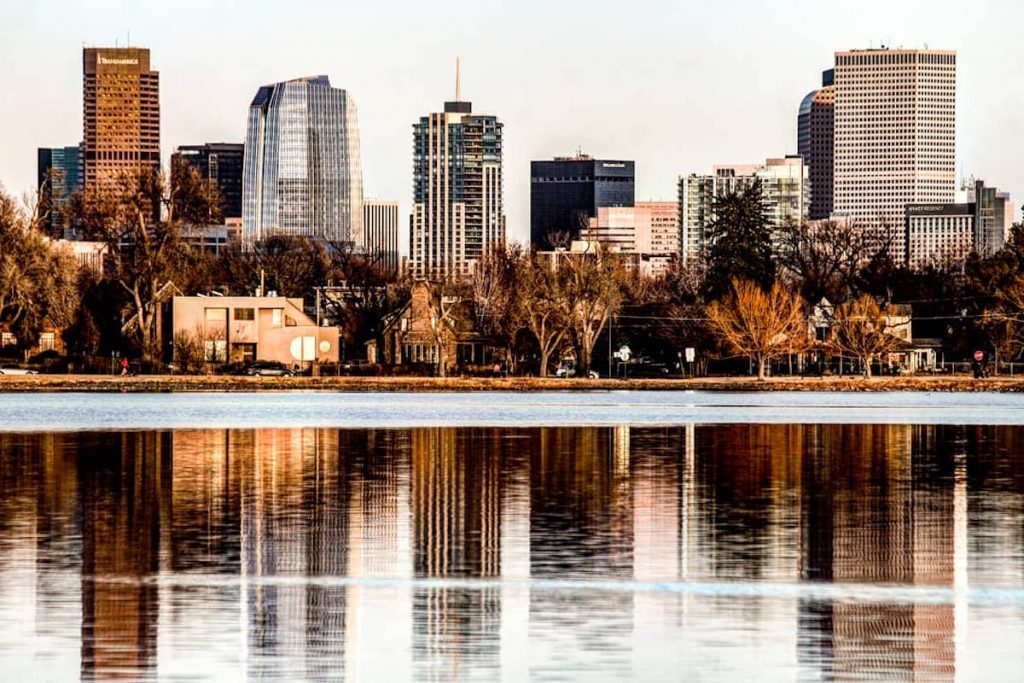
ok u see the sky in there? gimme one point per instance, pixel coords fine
(676, 86)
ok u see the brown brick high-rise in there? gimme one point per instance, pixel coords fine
(121, 114)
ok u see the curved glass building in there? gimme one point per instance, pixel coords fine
(303, 173)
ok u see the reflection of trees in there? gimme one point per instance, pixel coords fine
(581, 525)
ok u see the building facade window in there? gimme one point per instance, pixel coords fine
(47, 341)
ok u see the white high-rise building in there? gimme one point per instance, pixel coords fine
(457, 212)
(895, 135)
(785, 187)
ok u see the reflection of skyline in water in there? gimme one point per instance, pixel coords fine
(848, 504)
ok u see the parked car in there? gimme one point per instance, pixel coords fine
(569, 370)
(646, 369)
(15, 370)
(269, 368)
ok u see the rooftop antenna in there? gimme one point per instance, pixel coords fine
(458, 79)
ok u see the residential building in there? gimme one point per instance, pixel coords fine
(121, 115)
(785, 186)
(409, 335)
(939, 234)
(302, 172)
(221, 164)
(457, 214)
(59, 175)
(380, 231)
(649, 231)
(895, 134)
(243, 329)
(815, 141)
(566, 192)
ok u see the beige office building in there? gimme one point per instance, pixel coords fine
(895, 134)
(649, 231)
(121, 114)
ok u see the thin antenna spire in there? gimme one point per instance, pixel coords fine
(458, 79)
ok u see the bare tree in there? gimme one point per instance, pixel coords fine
(359, 301)
(444, 302)
(760, 324)
(143, 221)
(544, 308)
(822, 258)
(863, 329)
(1003, 321)
(591, 292)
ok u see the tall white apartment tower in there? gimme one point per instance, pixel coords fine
(457, 213)
(895, 134)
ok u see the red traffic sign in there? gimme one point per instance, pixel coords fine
(979, 356)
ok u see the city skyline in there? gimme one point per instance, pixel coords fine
(690, 120)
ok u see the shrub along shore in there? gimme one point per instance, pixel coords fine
(215, 383)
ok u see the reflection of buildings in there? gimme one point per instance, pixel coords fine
(308, 517)
(124, 508)
(456, 506)
(873, 514)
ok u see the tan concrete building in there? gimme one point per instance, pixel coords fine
(895, 134)
(121, 114)
(243, 329)
(649, 230)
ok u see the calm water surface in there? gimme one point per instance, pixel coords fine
(685, 551)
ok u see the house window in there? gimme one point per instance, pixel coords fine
(216, 315)
(216, 350)
(47, 341)
(8, 339)
(245, 314)
(278, 320)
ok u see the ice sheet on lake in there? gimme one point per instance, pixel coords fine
(90, 411)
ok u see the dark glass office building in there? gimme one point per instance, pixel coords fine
(60, 172)
(221, 163)
(566, 192)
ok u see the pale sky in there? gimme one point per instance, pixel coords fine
(676, 86)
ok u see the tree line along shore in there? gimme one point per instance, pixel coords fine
(812, 299)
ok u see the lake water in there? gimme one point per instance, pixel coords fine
(438, 537)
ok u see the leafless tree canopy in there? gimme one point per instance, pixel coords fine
(865, 330)
(760, 324)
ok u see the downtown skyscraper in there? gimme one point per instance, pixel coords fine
(816, 144)
(121, 115)
(303, 172)
(457, 213)
(895, 135)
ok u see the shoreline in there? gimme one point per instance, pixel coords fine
(235, 384)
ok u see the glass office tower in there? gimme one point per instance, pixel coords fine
(303, 172)
(566, 192)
